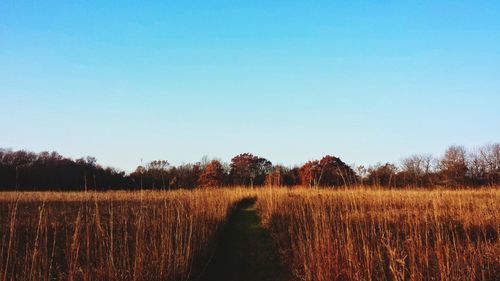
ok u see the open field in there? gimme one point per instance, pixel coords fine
(110, 235)
(320, 234)
(365, 234)
(249, 140)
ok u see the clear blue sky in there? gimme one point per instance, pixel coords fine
(287, 80)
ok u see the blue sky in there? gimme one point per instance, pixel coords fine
(287, 80)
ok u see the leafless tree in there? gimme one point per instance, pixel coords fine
(418, 167)
(158, 169)
(484, 164)
(454, 164)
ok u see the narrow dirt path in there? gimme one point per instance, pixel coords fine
(246, 252)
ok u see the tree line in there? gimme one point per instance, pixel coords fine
(24, 170)
(457, 167)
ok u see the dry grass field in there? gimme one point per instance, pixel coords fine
(321, 234)
(111, 235)
(365, 234)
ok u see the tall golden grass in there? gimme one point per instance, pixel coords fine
(143, 235)
(364, 234)
(323, 234)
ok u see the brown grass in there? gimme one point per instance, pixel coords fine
(364, 234)
(352, 234)
(111, 235)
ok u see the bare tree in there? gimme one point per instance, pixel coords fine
(418, 167)
(454, 165)
(485, 164)
(382, 175)
(158, 169)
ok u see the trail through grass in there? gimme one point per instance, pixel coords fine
(246, 252)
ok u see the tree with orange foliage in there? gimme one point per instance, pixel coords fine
(310, 173)
(247, 169)
(212, 174)
(329, 171)
(334, 172)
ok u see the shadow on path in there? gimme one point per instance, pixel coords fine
(245, 251)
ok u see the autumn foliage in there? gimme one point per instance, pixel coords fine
(247, 169)
(458, 167)
(329, 171)
(212, 174)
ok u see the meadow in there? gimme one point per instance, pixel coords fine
(320, 234)
(367, 234)
(143, 235)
